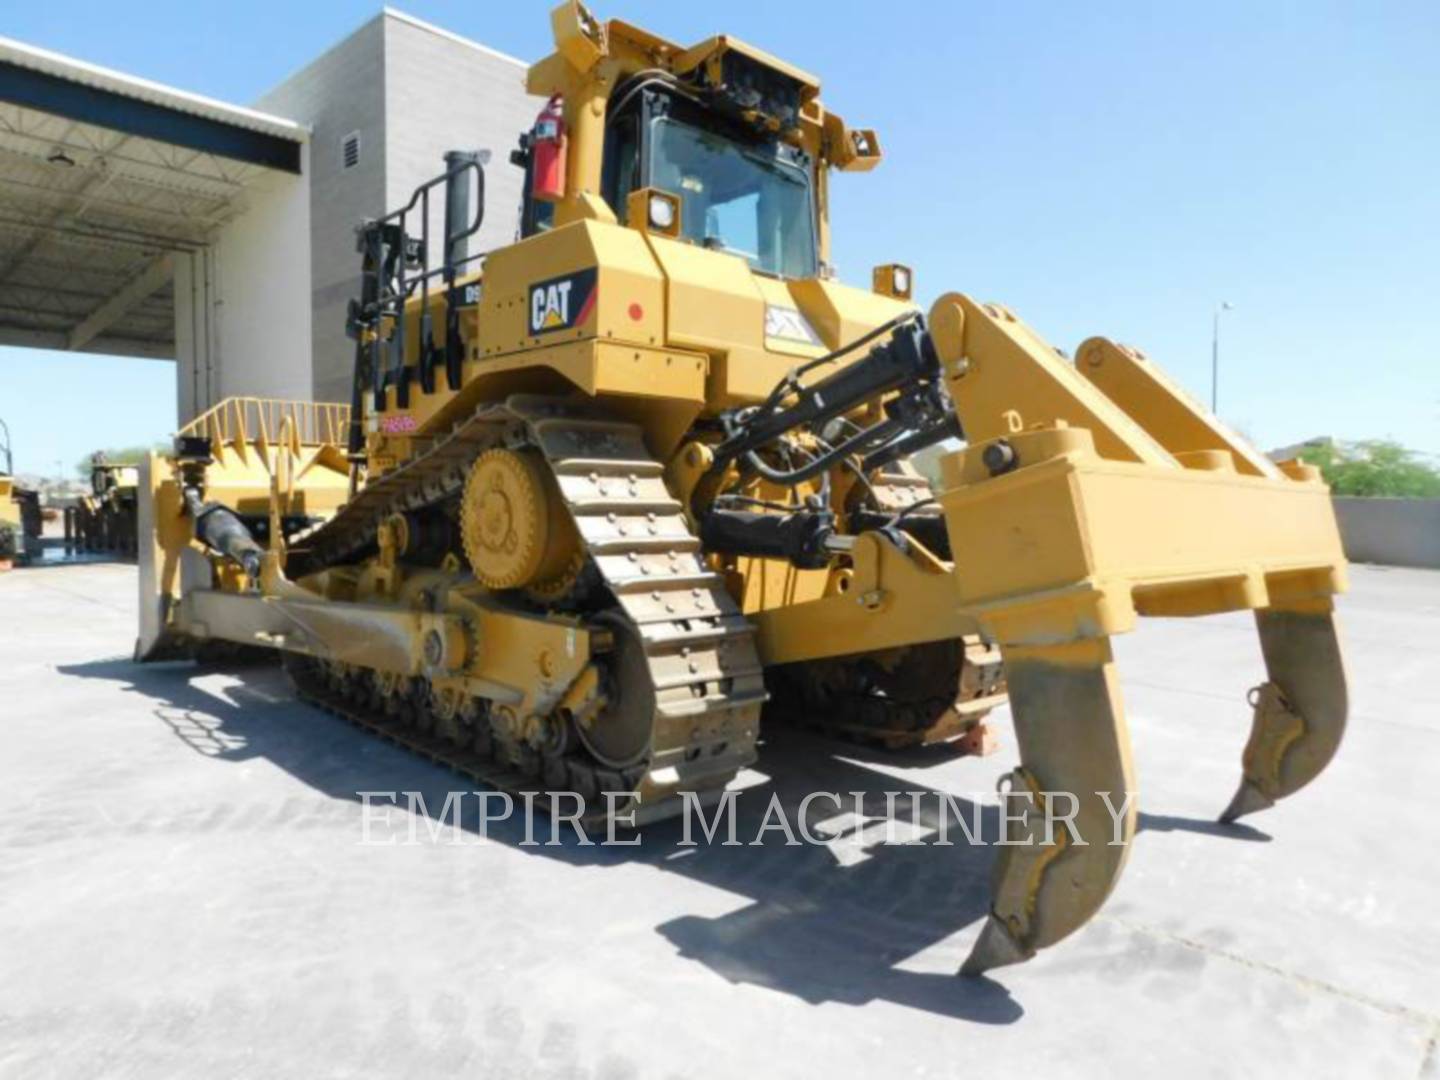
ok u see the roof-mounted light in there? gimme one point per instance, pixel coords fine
(894, 280)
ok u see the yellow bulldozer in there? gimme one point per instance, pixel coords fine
(21, 517)
(105, 520)
(606, 495)
(12, 524)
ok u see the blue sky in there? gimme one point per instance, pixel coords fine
(1100, 168)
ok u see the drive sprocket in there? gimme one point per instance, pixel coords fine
(514, 524)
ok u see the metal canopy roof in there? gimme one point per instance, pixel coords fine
(103, 179)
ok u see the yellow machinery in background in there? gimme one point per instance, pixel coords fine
(105, 521)
(594, 503)
(21, 521)
(11, 526)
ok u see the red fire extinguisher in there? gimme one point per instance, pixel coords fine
(547, 150)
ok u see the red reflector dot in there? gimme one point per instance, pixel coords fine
(637, 312)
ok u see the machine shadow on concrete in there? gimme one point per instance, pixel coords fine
(819, 925)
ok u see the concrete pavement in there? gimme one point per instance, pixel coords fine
(184, 891)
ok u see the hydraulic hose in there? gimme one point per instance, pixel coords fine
(908, 357)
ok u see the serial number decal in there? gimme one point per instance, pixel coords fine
(563, 302)
(398, 425)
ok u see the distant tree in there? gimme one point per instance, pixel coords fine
(1376, 467)
(124, 455)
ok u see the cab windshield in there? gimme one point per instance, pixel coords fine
(735, 199)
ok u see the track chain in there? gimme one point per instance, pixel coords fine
(706, 677)
(932, 692)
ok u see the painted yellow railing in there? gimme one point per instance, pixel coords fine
(240, 420)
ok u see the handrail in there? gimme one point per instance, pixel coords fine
(244, 419)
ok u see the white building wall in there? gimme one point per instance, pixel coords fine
(263, 269)
(242, 305)
(443, 92)
(411, 92)
(340, 93)
(195, 378)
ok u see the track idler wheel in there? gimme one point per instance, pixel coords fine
(1075, 768)
(1299, 714)
(620, 732)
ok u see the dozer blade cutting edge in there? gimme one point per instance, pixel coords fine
(1116, 496)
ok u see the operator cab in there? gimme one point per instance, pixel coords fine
(743, 188)
(740, 192)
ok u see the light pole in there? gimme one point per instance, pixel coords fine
(9, 457)
(1224, 305)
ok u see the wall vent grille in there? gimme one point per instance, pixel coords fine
(350, 150)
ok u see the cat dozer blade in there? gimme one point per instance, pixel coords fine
(1091, 494)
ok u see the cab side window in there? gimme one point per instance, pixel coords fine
(621, 173)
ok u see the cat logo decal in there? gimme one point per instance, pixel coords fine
(563, 302)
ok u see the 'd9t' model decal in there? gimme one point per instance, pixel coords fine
(563, 302)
